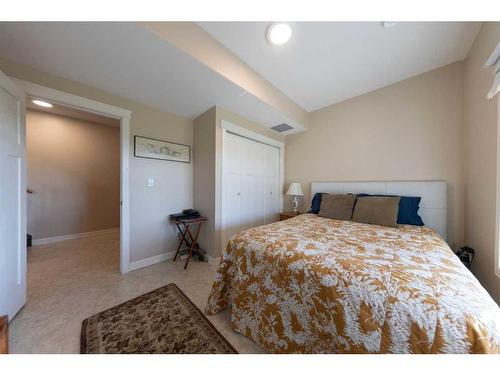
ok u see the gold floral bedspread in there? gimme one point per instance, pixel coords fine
(317, 285)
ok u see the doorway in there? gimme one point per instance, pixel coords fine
(73, 173)
(122, 116)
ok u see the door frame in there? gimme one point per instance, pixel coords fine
(88, 105)
(228, 127)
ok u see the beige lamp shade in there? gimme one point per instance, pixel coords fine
(295, 188)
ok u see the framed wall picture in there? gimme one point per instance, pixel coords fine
(151, 148)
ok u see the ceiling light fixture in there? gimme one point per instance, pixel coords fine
(42, 103)
(278, 33)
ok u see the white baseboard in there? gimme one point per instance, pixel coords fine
(44, 241)
(150, 261)
(163, 258)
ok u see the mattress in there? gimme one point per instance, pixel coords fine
(317, 285)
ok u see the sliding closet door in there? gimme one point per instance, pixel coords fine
(232, 178)
(271, 179)
(265, 184)
(250, 178)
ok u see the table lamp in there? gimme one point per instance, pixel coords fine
(295, 190)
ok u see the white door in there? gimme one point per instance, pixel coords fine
(231, 187)
(271, 180)
(250, 184)
(12, 198)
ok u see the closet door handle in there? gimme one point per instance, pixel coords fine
(239, 194)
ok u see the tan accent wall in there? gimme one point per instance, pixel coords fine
(411, 130)
(151, 233)
(73, 169)
(480, 120)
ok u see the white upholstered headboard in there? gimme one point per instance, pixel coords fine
(433, 205)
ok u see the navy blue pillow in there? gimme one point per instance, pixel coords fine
(408, 209)
(316, 203)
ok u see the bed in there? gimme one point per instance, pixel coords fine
(316, 285)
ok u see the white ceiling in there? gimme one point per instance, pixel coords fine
(328, 62)
(130, 61)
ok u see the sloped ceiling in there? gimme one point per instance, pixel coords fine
(328, 62)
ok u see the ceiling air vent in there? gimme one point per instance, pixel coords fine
(282, 128)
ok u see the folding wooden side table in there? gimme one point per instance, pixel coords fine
(187, 237)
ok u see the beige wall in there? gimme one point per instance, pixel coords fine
(204, 175)
(74, 170)
(480, 120)
(411, 130)
(151, 233)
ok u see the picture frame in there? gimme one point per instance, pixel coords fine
(151, 148)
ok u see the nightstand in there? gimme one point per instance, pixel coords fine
(288, 215)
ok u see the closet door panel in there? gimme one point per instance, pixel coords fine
(271, 179)
(260, 164)
(251, 180)
(232, 178)
(248, 188)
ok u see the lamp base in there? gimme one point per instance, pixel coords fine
(295, 204)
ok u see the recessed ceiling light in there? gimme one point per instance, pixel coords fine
(278, 33)
(42, 103)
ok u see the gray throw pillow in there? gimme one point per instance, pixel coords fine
(377, 211)
(337, 206)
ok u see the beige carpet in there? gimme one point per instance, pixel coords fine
(71, 280)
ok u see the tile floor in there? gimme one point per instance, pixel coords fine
(72, 280)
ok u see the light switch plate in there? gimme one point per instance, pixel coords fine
(151, 182)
